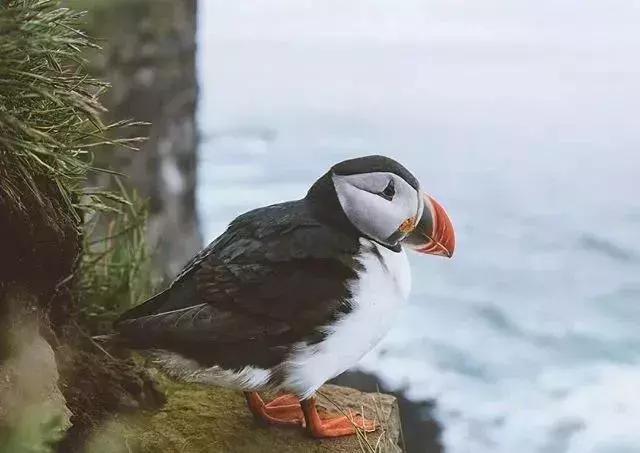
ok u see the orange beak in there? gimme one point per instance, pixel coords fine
(434, 233)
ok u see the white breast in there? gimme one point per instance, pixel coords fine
(380, 289)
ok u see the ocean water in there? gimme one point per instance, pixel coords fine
(522, 121)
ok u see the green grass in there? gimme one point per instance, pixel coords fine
(50, 135)
(115, 273)
(49, 112)
(50, 132)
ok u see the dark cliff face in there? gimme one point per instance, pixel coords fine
(149, 60)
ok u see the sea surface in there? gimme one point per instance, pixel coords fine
(525, 125)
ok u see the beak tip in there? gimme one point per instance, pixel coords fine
(441, 236)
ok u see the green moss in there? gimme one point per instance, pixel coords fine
(36, 429)
(198, 419)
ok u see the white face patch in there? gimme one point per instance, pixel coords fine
(363, 199)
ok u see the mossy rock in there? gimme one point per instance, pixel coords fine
(198, 419)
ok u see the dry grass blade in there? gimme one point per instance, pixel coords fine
(376, 442)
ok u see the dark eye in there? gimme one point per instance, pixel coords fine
(388, 191)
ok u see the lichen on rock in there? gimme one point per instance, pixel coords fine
(33, 411)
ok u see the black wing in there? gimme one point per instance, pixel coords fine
(269, 281)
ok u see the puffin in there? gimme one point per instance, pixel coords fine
(293, 294)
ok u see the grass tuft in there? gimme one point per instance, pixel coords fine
(49, 110)
(50, 128)
(115, 272)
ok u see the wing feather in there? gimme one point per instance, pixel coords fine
(271, 280)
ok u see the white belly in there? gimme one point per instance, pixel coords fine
(380, 290)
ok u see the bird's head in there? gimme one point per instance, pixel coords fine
(383, 201)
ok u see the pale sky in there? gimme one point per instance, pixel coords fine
(582, 23)
(566, 70)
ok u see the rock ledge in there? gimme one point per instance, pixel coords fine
(198, 419)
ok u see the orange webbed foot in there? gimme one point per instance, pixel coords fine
(335, 426)
(284, 410)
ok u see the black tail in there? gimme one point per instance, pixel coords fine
(181, 294)
(145, 308)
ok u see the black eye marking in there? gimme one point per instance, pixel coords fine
(388, 191)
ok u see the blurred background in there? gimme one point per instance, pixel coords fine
(520, 117)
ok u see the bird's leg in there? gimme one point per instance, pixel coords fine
(336, 426)
(284, 410)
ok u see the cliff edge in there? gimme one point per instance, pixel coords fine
(199, 419)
